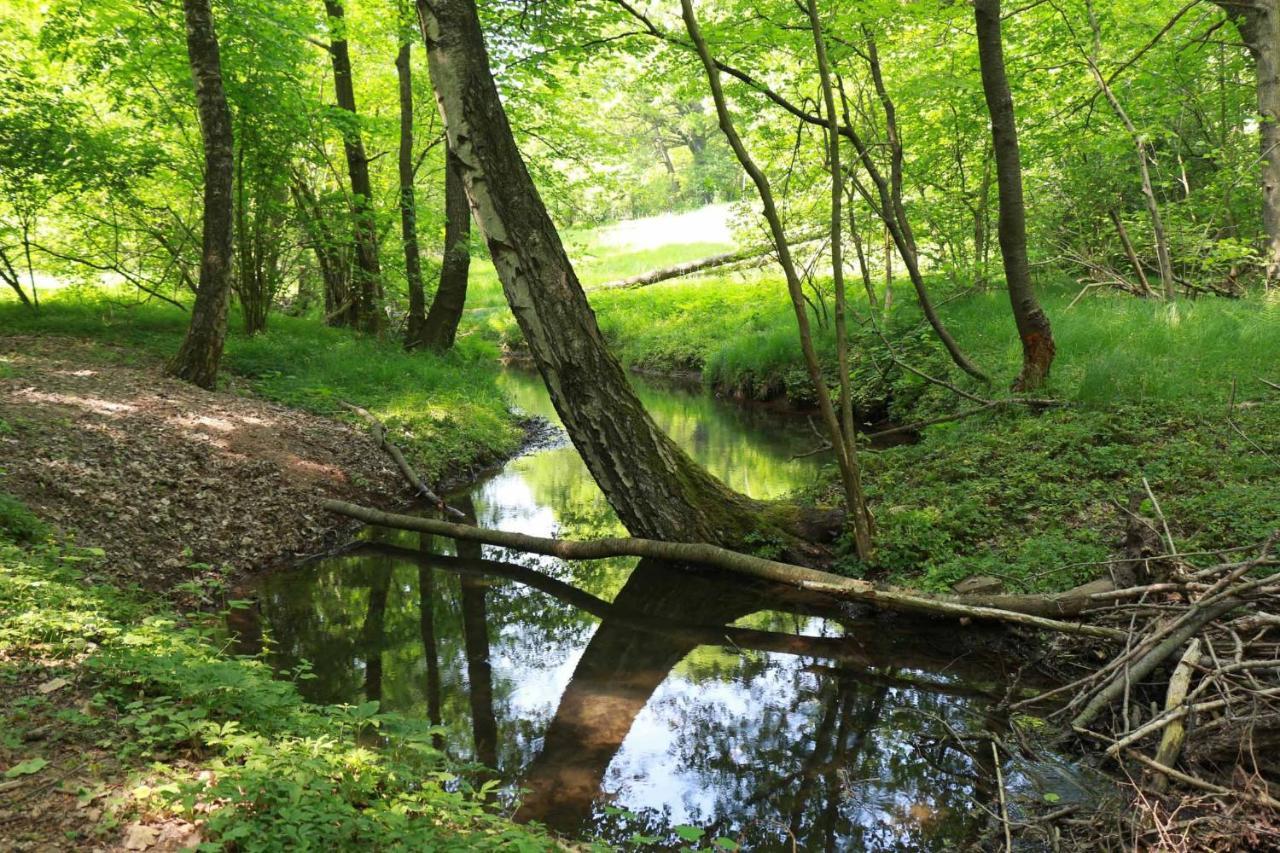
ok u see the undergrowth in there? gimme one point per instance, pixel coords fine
(209, 737)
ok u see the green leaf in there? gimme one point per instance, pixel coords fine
(726, 843)
(689, 833)
(1051, 797)
(26, 768)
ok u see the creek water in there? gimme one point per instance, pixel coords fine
(632, 699)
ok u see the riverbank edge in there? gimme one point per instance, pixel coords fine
(134, 681)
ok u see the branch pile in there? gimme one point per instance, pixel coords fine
(1189, 706)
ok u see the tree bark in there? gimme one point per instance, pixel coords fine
(201, 351)
(441, 326)
(1011, 225)
(859, 515)
(1259, 25)
(408, 204)
(655, 488)
(367, 295)
(1031, 610)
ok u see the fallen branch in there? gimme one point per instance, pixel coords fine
(1191, 624)
(420, 488)
(757, 253)
(1014, 609)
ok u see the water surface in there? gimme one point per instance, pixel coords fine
(627, 698)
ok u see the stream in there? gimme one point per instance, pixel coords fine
(634, 701)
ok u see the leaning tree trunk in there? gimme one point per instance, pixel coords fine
(441, 326)
(408, 205)
(650, 482)
(1259, 25)
(201, 350)
(1028, 316)
(367, 293)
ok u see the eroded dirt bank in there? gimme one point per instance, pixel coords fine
(174, 482)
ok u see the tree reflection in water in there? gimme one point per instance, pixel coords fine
(631, 698)
(745, 709)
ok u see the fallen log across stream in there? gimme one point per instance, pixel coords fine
(1028, 610)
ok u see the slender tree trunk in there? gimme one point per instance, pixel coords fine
(894, 211)
(1130, 253)
(201, 351)
(368, 284)
(10, 276)
(650, 482)
(795, 288)
(888, 271)
(441, 326)
(1029, 317)
(1259, 25)
(859, 515)
(408, 204)
(1140, 144)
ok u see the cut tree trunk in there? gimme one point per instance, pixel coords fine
(441, 326)
(408, 204)
(201, 351)
(1029, 317)
(1259, 24)
(653, 485)
(367, 293)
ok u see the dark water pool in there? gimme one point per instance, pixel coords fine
(630, 697)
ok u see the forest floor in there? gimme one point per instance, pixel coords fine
(180, 485)
(128, 503)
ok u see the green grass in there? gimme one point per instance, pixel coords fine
(1028, 497)
(446, 410)
(175, 726)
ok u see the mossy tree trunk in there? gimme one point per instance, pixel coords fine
(1259, 25)
(201, 351)
(655, 488)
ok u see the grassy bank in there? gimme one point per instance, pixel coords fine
(124, 719)
(446, 410)
(1033, 498)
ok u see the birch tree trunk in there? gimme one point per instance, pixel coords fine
(201, 351)
(1030, 319)
(655, 488)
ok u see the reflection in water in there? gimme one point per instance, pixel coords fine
(632, 698)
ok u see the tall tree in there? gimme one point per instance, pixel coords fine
(408, 203)
(656, 489)
(367, 293)
(1259, 24)
(441, 326)
(1029, 317)
(201, 351)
